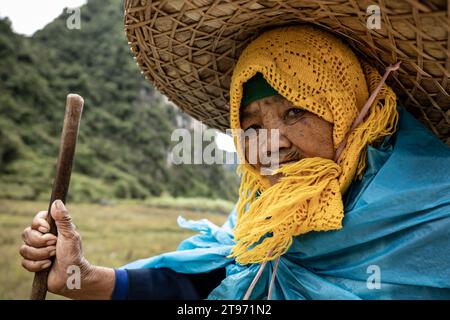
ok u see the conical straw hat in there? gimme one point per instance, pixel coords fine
(188, 48)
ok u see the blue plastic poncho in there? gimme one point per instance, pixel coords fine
(394, 244)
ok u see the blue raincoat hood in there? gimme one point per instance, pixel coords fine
(394, 244)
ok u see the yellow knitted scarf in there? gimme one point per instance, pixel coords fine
(319, 73)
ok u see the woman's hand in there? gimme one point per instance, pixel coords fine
(39, 246)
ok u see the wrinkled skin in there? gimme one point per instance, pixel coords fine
(40, 246)
(302, 134)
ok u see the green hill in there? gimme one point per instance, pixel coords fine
(125, 132)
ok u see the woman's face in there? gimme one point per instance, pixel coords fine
(302, 134)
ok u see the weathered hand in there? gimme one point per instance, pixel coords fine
(40, 246)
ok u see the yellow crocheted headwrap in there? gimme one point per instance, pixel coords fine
(319, 73)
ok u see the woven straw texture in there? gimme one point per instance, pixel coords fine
(188, 48)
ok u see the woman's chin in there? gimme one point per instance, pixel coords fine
(275, 178)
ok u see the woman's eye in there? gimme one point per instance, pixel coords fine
(294, 112)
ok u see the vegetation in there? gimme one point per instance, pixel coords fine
(217, 206)
(125, 132)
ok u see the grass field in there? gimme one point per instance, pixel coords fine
(112, 236)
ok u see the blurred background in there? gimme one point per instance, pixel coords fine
(125, 193)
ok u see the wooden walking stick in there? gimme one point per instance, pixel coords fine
(74, 108)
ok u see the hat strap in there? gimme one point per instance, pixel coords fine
(366, 108)
(256, 278)
(272, 281)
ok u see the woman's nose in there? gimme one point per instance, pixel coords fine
(274, 140)
(275, 137)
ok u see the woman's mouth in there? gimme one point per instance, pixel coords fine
(288, 162)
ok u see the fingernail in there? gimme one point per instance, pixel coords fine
(46, 265)
(43, 229)
(52, 253)
(51, 242)
(60, 205)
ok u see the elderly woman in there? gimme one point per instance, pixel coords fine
(378, 184)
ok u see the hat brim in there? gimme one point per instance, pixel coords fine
(188, 49)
